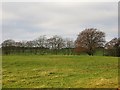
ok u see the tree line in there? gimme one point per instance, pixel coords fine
(41, 45)
(88, 41)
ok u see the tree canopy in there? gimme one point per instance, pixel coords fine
(90, 39)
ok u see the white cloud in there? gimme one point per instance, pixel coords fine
(60, 0)
(29, 20)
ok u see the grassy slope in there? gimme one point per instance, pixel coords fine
(60, 71)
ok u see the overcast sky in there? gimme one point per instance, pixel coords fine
(29, 20)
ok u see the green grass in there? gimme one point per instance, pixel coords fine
(50, 71)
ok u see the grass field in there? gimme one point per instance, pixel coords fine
(33, 71)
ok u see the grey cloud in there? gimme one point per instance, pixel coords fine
(30, 20)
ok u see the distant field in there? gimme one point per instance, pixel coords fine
(33, 71)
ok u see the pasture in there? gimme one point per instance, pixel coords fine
(59, 71)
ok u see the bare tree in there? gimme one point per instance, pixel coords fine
(89, 40)
(41, 41)
(29, 44)
(111, 43)
(8, 46)
(112, 47)
(56, 43)
(18, 44)
(8, 43)
(69, 45)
